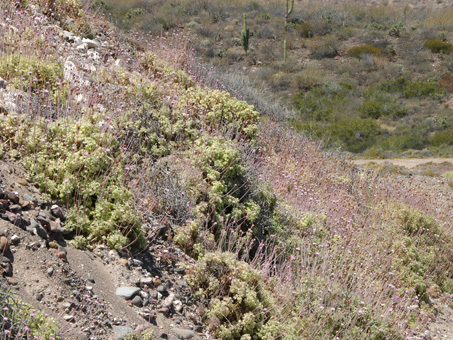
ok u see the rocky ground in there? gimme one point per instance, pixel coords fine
(105, 294)
(98, 294)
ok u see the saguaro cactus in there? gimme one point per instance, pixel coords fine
(245, 35)
(289, 6)
(284, 50)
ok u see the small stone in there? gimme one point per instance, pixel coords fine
(4, 245)
(12, 197)
(169, 300)
(68, 318)
(144, 295)
(146, 281)
(15, 208)
(91, 43)
(15, 239)
(39, 296)
(60, 254)
(22, 181)
(50, 271)
(177, 304)
(127, 292)
(57, 212)
(44, 222)
(53, 245)
(137, 301)
(37, 229)
(7, 268)
(122, 331)
(13, 218)
(91, 280)
(162, 289)
(182, 333)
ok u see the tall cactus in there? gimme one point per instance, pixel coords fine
(245, 35)
(289, 6)
(284, 50)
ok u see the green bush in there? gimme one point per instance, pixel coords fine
(237, 299)
(442, 137)
(438, 46)
(322, 103)
(354, 134)
(358, 51)
(411, 89)
(78, 162)
(382, 106)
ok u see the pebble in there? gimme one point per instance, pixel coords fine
(15, 239)
(177, 304)
(127, 292)
(57, 212)
(182, 333)
(22, 181)
(162, 289)
(137, 301)
(3, 244)
(169, 300)
(39, 296)
(69, 318)
(146, 281)
(50, 271)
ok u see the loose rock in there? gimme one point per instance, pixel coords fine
(137, 301)
(4, 245)
(183, 333)
(127, 292)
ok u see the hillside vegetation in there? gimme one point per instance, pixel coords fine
(374, 78)
(290, 242)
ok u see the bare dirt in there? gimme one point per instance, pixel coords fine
(408, 163)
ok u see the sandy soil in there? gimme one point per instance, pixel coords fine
(408, 163)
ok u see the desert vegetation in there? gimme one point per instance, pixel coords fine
(304, 52)
(290, 241)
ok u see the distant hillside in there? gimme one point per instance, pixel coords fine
(375, 79)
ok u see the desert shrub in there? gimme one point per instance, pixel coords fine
(382, 105)
(354, 134)
(305, 30)
(358, 51)
(322, 103)
(438, 46)
(442, 137)
(236, 295)
(406, 137)
(323, 47)
(410, 89)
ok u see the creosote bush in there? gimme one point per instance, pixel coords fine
(439, 46)
(358, 51)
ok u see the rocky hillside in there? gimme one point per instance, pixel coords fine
(138, 203)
